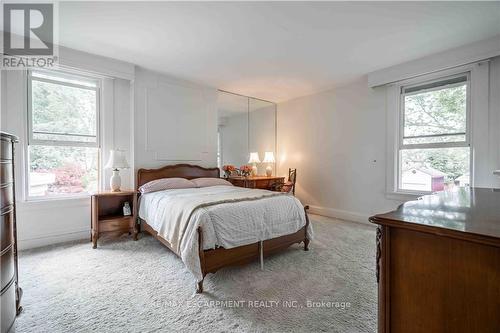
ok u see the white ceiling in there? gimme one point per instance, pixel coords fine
(275, 50)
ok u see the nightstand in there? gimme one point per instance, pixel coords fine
(107, 215)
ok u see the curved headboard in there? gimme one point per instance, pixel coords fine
(187, 171)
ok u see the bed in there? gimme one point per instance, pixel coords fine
(203, 256)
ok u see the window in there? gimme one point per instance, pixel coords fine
(63, 134)
(434, 147)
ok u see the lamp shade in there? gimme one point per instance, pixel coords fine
(117, 160)
(254, 158)
(269, 157)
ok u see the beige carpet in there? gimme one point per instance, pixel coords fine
(126, 286)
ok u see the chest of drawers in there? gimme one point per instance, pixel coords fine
(10, 293)
(438, 263)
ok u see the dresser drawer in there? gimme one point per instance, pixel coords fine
(6, 267)
(6, 228)
(6, 172)
(123, 224)
(263, 184)
(6, 195)
(5, 149)
(8, 307)
(237, 182)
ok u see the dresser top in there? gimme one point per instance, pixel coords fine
(9, 136)
(256, 177)
(469, 211)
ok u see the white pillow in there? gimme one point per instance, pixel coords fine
(206, 182)
(166, 184)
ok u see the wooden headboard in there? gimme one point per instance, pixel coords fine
(187, 171)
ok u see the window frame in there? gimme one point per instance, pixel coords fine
(436, 145)
(31, 141)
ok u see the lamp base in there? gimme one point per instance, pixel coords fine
(269, 171)
(254, 170)
(115, 182)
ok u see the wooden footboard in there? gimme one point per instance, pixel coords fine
(214, 259)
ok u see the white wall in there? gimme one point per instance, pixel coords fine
(459, 56)
(337, 141)
(175, 121)
(117, 128)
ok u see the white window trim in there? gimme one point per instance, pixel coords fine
(478, 118)
(29, 134)
(401, 145)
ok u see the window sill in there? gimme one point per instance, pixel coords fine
(59, 198)
(54, 203)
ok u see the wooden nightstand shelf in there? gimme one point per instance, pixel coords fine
(107, 215)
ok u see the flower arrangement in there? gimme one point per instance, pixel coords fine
(245, 170)
(228, 169)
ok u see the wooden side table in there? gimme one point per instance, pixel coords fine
(107, 215)
(261, 182)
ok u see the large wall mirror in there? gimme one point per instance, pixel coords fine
(245, 125)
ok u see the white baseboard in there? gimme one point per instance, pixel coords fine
(25, 244)
(340, 214)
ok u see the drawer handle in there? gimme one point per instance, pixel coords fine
(378, 239)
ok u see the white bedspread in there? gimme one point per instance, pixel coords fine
(262, 215)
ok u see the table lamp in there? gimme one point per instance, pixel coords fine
(269, 158)
(254, 159)
(116, 161)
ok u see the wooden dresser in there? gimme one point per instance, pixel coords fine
(262, 182)
(438, 263)
(10, 294)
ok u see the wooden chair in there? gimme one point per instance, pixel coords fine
(289, 185)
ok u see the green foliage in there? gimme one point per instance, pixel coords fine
(63, 109)
(437, 112)
(66, 110)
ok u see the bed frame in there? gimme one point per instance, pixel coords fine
(215, 259)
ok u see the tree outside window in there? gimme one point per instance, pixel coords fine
(434, 149)
(63, 150)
